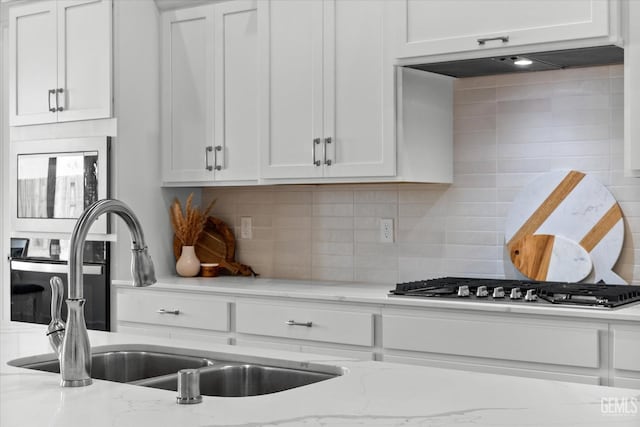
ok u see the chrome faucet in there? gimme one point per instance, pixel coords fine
(71, 342)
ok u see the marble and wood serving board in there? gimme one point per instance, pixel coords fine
(577, 210)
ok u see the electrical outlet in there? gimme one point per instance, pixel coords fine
(246, 232)
(386, 230)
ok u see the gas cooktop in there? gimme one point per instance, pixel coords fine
(521, 292)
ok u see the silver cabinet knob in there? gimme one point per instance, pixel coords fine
(463, 291)
(188, 386)
(498, 292)
(530, 295)
(515, 293)
(482, 292)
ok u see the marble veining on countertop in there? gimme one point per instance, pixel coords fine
(369, 394)
(372, 293)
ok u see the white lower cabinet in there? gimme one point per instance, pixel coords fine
(172, 314)
(314, 328)
(508, 344)
(573, 349)
(626, 356)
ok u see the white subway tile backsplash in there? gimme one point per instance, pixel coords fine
(580, 133)
(540, 105)
(376, 196)
(469, 96)
(575, 117)
(386, 210)
(508, 130)
(332, 210)
(473, 110)
(528, 91)
(581, 102)
(331, 248)
(581, 87)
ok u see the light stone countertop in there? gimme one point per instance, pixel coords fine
(369, 394)
(369, 293)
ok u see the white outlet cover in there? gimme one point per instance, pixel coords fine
(246, 231)
(386, 230)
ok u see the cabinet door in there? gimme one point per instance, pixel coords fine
(359, 82)
(84, 59)
(430, 27)
(291, 89)
(187, 94)
(632, 92)
(236, 91)
(32, 41)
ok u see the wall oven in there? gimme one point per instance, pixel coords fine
(34, 261)
(53, 181)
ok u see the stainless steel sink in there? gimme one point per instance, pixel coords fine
(221, 374)
(239, 380)
(129, 365)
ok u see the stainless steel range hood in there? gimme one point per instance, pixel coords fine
(540, 61)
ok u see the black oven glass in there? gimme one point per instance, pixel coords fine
(31, 292)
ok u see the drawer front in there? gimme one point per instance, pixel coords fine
(325, 325)
(499, 340)
(626, 349)
(194, 311)
(502, 370)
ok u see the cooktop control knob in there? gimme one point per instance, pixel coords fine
(498, 292)
(531, 295)
(516, 293)
(463, 291)
(482, 292)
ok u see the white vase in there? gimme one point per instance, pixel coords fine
(188, 264)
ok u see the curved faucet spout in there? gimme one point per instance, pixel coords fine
(75, 353)
(141, 265)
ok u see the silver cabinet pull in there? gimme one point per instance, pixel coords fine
(316, 141)
(51, 92)
(207, 150)
(215, 157)
(482, 41)
(326, 141)
(163, 311)
(294, 323)
(59, 91)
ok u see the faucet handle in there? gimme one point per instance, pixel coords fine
(55, 330)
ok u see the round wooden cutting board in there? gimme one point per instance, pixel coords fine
(570, 206)
(553, 258)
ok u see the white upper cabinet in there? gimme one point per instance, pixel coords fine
(187, 93)
(327, 90)
(632, 91)
(60, 61)
(433, 27)
(210, 93)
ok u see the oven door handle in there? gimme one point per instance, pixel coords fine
(43, 267)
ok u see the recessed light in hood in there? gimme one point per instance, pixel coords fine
(540, 61)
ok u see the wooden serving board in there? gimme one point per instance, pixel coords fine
(576, 207)
(216, 244)
(553, 258)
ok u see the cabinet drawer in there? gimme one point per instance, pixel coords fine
(626, 349)
(325, 325)
(493, 339)
(194, 311)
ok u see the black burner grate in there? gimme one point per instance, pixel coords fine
(599, 295)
